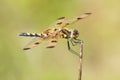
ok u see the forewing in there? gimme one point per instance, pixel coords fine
(57, 24)
(74, 20)
(35, 41)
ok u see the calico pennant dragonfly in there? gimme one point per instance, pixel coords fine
(58, 32)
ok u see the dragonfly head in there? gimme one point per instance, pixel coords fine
(74, 33)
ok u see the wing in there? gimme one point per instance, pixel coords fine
(74, 20)
(35, 41)
(52, 43)
(60, 21)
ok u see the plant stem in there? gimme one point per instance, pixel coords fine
(80, 62)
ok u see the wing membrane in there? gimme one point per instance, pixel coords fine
(51, 31)
(33, 43)
(57, 24)
(74, 20)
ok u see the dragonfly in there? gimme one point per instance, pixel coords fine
(59, 31)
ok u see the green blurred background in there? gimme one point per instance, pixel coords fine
(100, 33)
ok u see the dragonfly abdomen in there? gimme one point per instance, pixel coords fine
(30, 34)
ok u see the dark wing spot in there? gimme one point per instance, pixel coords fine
(61, 18)
(55, 29)
(88, 13)
(79, 18)
(54, 41)
(67, 23)
(37, 43)
(59, 23)
(50, 46)
(26, 48)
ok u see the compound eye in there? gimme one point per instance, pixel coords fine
(75, 32)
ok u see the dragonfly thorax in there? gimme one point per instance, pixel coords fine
(74, 33)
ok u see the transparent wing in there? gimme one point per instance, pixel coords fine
(49, 32)
(35, 41)
(57, 24)
(74, 20)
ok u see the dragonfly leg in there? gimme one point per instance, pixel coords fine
(75, 41)
(69, 48)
